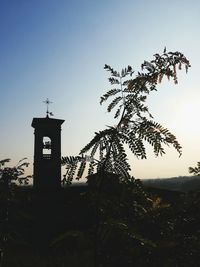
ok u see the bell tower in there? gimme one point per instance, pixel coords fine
(47, 152)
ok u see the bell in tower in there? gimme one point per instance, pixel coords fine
(47, 152)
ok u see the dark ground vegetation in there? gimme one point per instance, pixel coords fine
(104, 224)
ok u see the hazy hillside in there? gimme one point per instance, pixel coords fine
(181, 183)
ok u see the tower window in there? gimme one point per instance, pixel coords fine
(46, 147)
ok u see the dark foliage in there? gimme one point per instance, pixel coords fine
(9, 178)
(128, 228)
(195, 170)
(111, 222)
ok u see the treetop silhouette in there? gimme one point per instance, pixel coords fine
(130, 89)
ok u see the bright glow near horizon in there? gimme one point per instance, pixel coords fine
(57, 49)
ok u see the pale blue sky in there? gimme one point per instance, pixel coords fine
(58, 48)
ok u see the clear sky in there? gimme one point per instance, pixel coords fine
(58, 48)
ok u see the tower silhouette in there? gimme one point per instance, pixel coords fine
(47, 153)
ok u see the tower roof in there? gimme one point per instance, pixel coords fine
(46, 121)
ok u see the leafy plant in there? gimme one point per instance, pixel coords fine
(106, 151)
(195, 170)
(10, 175)
(9, 178)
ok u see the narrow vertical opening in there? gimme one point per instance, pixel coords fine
(46, 152)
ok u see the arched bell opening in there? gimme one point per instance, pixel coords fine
(47, 148)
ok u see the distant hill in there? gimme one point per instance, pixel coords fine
(181, 183)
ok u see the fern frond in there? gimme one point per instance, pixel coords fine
(110, 93)
(91, 168)
(81, 169)
(113, 72)
(94, 149)
(113, 80)
(135, 103)
(3, 162)
(156, 135)
(98, 136)
(114, 103)
(195, 170)
(127, 71)
(118, 112)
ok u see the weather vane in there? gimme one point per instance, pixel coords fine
(48, 102)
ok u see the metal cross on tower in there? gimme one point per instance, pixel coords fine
(48, 102)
